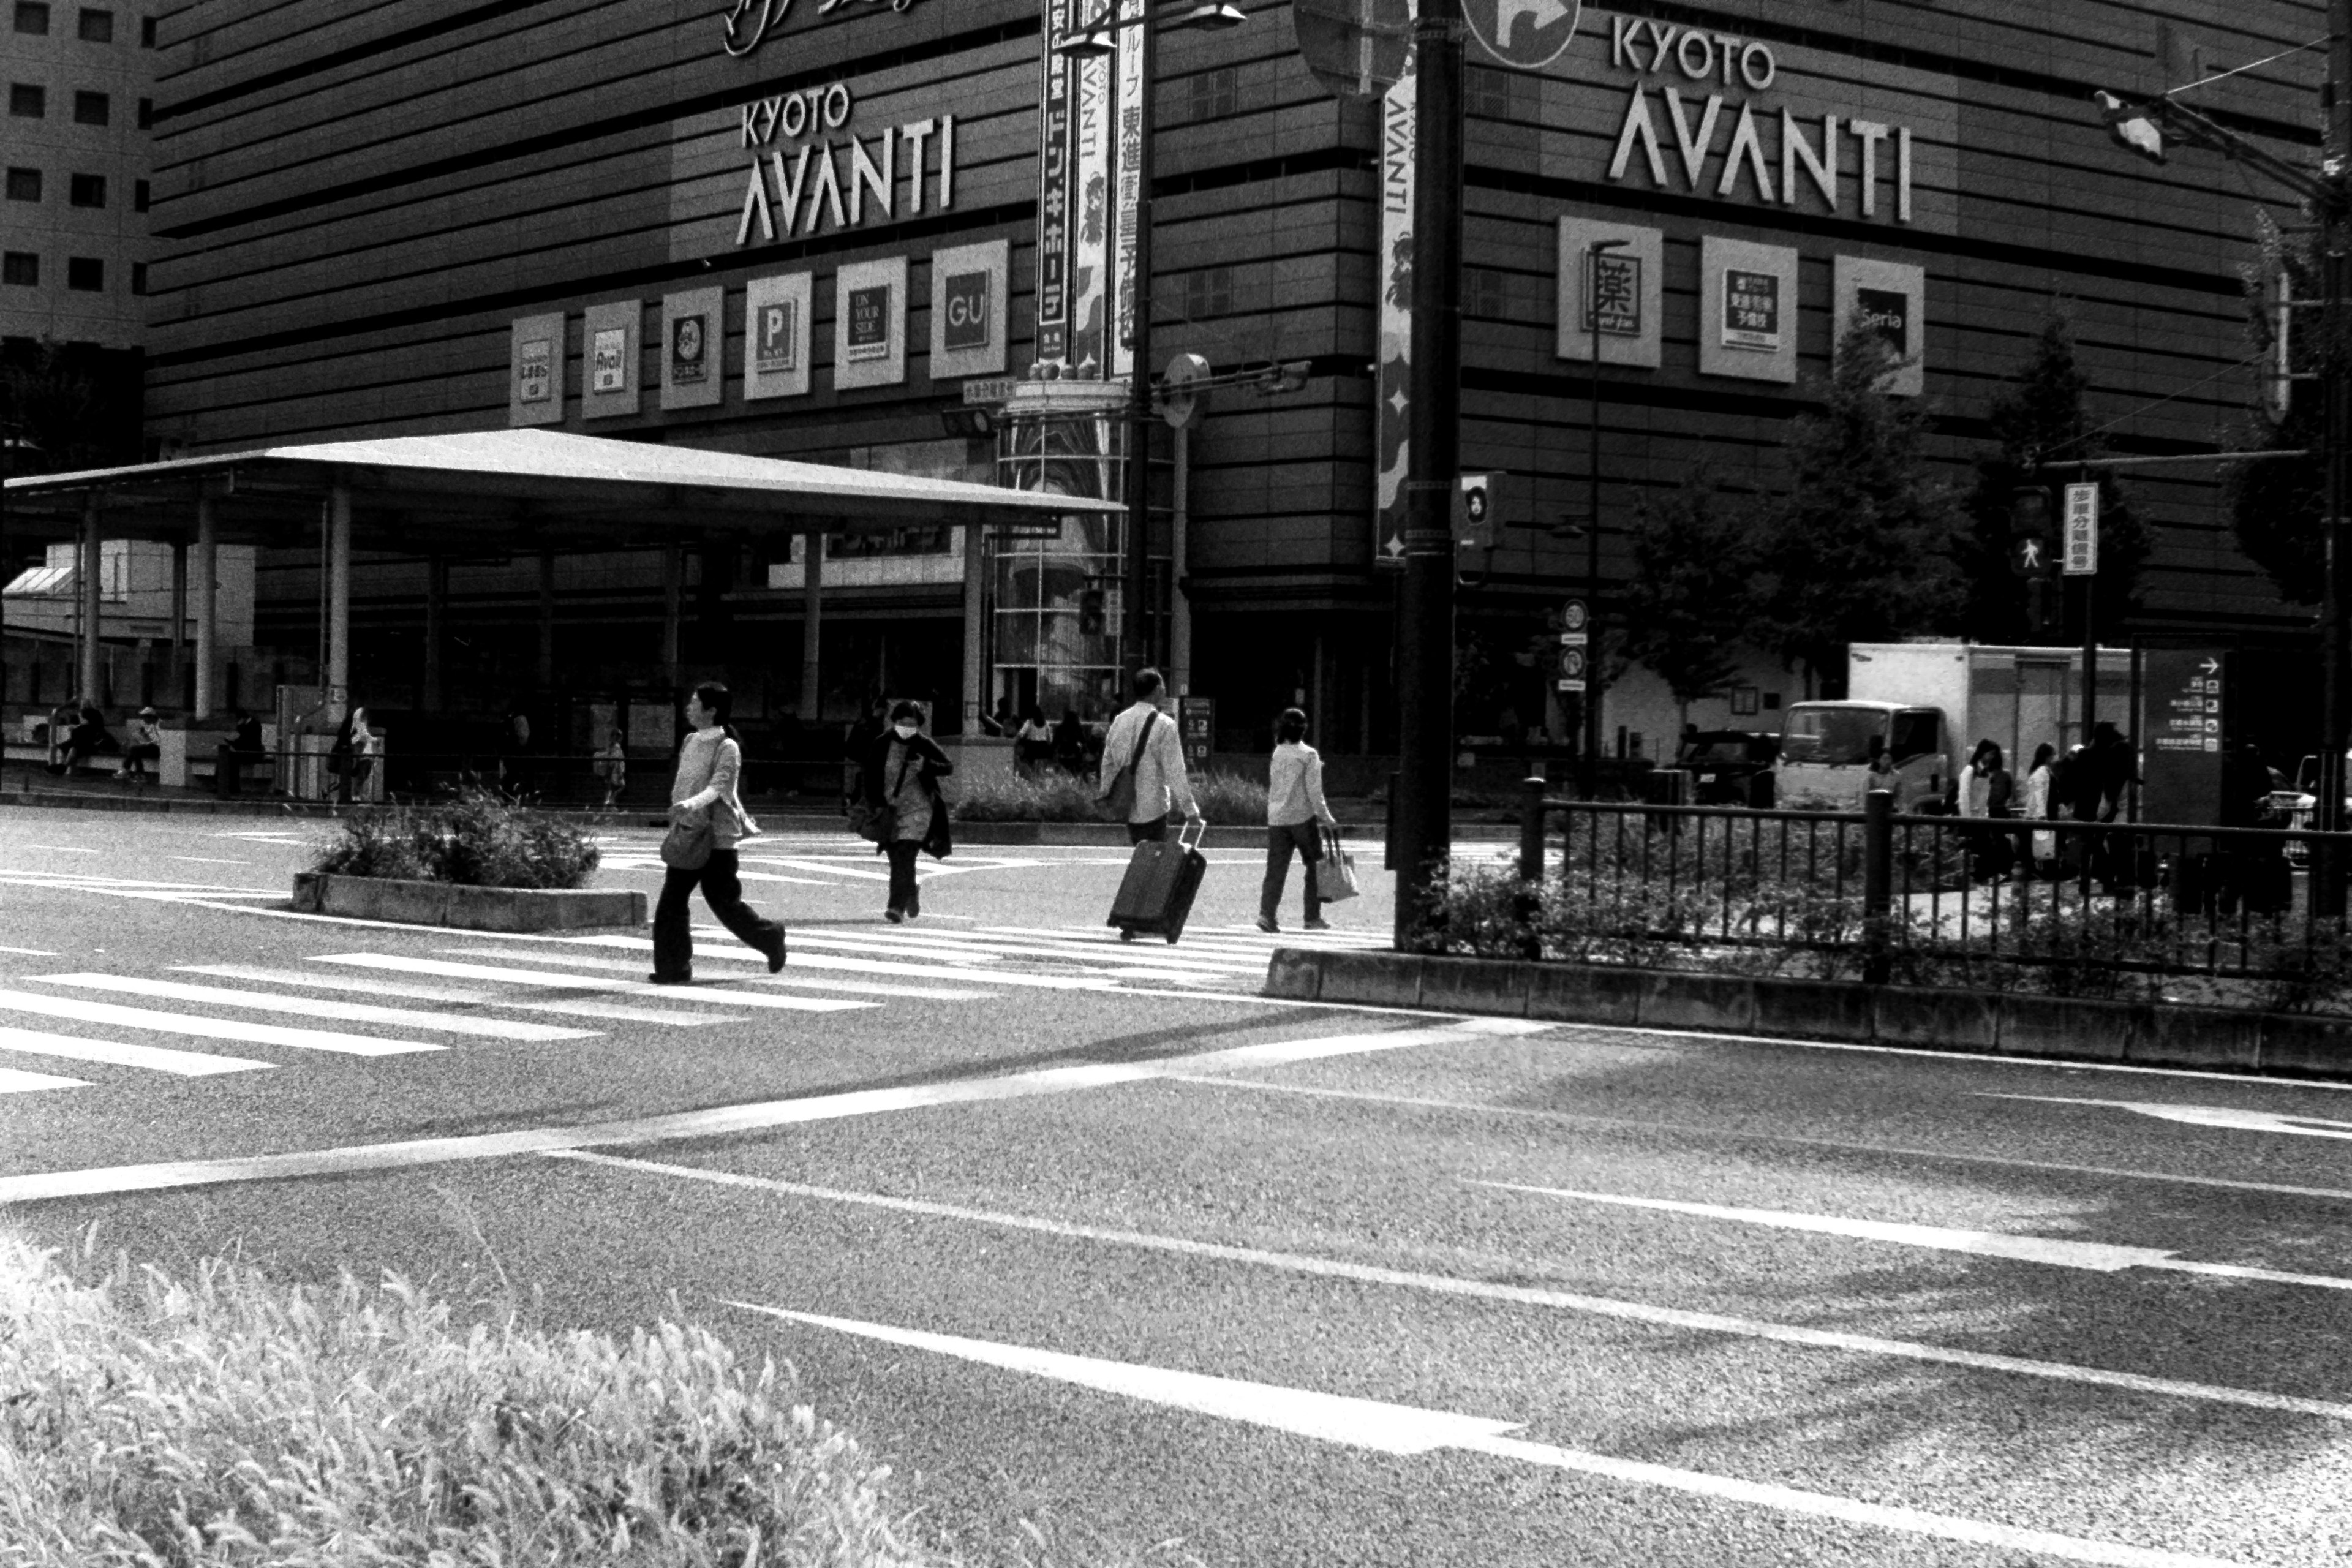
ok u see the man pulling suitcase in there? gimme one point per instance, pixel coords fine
(1143, 780)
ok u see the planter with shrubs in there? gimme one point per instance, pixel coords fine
(479, 862)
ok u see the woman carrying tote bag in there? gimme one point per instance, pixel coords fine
(706, 821)
(906, 810)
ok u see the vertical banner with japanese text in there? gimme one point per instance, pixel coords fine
(1394, 407)
(1130, 160)
(1054, 190)
(1089, 175)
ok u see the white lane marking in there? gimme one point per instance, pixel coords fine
(210, 1028)
(153, 1059)
(1139, 960)
(14, 1080)
(30, 951)
(1408, 1430)
(891, 940)
(320, 1007)
(1521, 1295)
(1682, 1129)
(857, 873)
(2098, 1256)
(58, 849)
(717, 1121)
(854, 988)
(2228, 1116)
(709, 994)
(911, 970)
(206, 860)
(619, 1011)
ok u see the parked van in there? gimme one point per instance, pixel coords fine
(1826, 747)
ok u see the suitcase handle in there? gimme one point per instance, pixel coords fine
(1202, 823)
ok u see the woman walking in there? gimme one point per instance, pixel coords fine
(1295, 815)
(2039, 794)
(352, 756)
(1984, 793)
(710, 761)
(902, 780)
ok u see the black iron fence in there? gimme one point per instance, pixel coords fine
(2092, 908)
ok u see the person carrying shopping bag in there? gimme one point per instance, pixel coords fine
(1143, 766)
(902, 786)
(706, 822)
(1296, 816)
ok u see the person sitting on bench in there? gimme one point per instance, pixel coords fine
(145, 745)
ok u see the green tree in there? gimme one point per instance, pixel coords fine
(68, 406)
(1687, 602)
(1860, 550)
(2276, 504)
(2038, 419)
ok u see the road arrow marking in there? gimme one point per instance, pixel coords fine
(2099, 1257)
(1405, 1429)
(2229, 1116)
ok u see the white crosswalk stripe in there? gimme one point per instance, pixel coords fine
(153, 1058)
(418, 990)
(14, 1081)
(319, 1008)
(854, 988)
(802, 960)
(513, 976)
(108, 1013)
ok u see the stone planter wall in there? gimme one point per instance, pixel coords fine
(469, 909)
(1984, 1023)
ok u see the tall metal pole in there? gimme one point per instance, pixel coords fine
(1425, 594)
(2336, 695)
(1588, 781)
(1135, 644)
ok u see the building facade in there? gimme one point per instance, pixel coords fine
(851, 232)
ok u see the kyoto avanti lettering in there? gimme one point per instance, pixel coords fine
(1794, 164)
(796, 190)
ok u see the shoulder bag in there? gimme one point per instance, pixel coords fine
(1121, 795)
(686, 846)
(1336, 878)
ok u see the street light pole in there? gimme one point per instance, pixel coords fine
(1137, 648)
(1424, 642)
(1588, 781)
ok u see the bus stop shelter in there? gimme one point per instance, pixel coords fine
(506, 492)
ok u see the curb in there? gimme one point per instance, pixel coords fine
(469, 909)
(1968, 1023)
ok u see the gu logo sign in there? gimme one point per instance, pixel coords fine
(964, 297)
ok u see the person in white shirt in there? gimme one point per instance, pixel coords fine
(710, 761)
(1295, 815)
(144, 745)
(1144, 740)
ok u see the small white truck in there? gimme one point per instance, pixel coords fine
(1927, 705)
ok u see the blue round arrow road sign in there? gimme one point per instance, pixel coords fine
(1525, 33)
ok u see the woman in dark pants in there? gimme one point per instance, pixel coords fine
(902, 773)
(709, 760)
(1295, 815)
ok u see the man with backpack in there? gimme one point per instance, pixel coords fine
(1143, 765)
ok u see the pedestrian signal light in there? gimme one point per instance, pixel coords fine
(1090, 613)
(2033, 532)
(2030, 510)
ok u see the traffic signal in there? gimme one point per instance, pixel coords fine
(1476, 527)
(1090, 613)
(2033, 532)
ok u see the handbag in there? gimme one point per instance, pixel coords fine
(875, 823)
(1121, 795)
(1336, 878)
(686, 846)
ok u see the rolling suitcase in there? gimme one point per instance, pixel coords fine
(1156, 894)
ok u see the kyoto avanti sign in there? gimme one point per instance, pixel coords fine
(802, 180)
(1769, 156)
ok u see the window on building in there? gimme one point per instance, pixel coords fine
(1209, 292)
(1486, 92)
(86, 191)
(1215, 94)
(21, 267)
(32, 17)
(86, 273)
(146, 113)
(92, 109)
(1485, 292)
(138, 194)
(146, 32)
(24, 185)
(26, 101)
(97, 25)
(139, 278)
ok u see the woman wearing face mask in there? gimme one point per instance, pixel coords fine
(902, 776)
(708, 762)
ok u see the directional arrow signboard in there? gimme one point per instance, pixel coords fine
(1527, 35)
(2184, 729)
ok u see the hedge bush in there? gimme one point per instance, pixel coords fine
(1052, 796)
(479, 839)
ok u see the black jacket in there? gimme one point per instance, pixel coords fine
(930, 765)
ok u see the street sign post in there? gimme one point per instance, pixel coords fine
(1571, 668)
(1575, 615)
(2082, 531)
(1356, 48)
(1526, 34)
(2185, 729)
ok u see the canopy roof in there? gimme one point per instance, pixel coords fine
(509, 489)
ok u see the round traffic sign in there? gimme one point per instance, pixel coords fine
(1525, 33)
(1574, 616)
(1571, 663)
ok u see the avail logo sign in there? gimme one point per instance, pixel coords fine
(749, 22)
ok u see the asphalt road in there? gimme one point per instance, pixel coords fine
(1092, 1232)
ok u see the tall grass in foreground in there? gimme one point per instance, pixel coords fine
(229, 1423)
